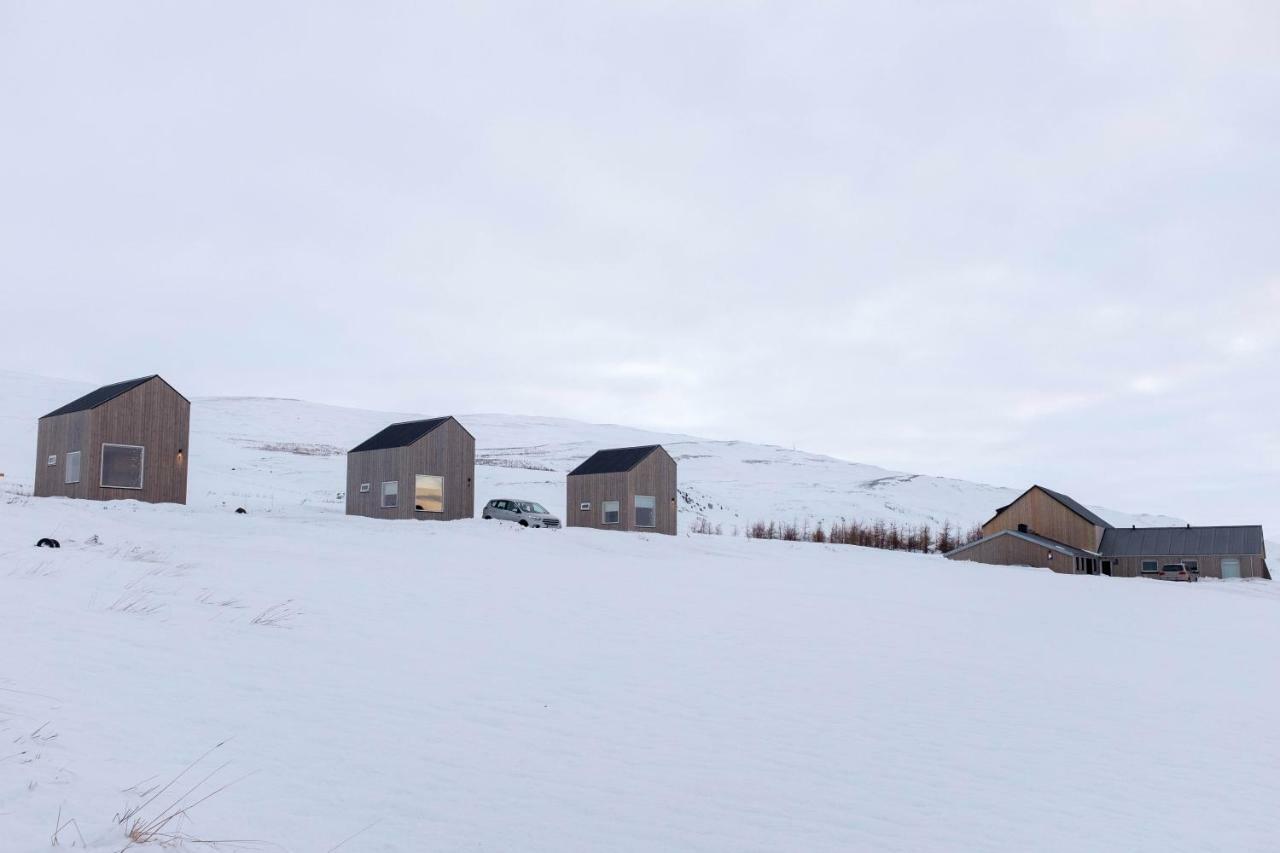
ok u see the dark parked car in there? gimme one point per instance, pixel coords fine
(524, 513)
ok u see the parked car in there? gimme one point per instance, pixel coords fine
(524, 513)
(1177, 572)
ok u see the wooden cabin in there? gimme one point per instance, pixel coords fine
(126, 441)
(624, 488)
(416, 469)
(1051, 530)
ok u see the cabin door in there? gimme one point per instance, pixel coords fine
(1106, 568)
(1230, 567)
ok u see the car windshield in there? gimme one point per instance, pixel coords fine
(525, 506)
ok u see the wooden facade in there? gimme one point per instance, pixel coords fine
(447, 451)
(1045, 515)
(150, 414)
(1001, 549)
(654, 476)
(1050, 530)
(1210, 565)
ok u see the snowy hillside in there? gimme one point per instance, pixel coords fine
(287, 456)
(371, 686)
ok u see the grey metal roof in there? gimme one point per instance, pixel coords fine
(1182, 541)
(615, 460)
(1067, 501)
(1060, 547)
(402, 434)
(105, 394)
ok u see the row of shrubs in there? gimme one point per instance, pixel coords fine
(889, 536)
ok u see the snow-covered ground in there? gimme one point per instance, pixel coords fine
(383, 686)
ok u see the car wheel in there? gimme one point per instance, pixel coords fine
(524, 523)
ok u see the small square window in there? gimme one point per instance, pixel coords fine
(53, 460)
(364, 487)
(1150, 566)
(390, 494)
(585, 506)
(609, 512)
(122, 466)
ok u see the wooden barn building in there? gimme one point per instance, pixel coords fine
(416, 469)
(1051, 530)
(625, 488)
(122, 441)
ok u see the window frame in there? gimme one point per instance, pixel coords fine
(142, 466)
(635, 509)
(417, 477)
(382, 491)
(51, 461)
(604, 512)
(366, 487)
(584, 506)
(1154, 564)
(66, 471)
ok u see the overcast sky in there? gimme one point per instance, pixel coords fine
(1008, 242)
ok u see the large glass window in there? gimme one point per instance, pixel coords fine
(390, 494)
(121, 466)
(646, 511)
(428, 493)
(72, 474)
(609, 512)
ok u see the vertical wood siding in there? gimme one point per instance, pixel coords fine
(1012, 551)
(448, 451)
(1210, 566)
(152, 415)
(656, 476)
(1047, 517)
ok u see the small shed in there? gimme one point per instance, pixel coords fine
(416, 469)
(123, 441)
(624, 488)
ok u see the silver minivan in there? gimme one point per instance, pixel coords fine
(524, 513)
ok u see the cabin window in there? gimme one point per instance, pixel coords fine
(390, 494)
(585, 506)
(1149, 566)
(73, 467)
(52, 460)
(364, 487)
(646, 511)
(428, 493)
(122, 466)
(1192, 565)
(610, 512)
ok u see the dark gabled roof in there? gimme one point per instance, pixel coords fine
(105, 394)
(1067, 501)
(1182, 541)
(1051, 544)
(399, 435)
(615, 461)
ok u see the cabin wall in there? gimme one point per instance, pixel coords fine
(595, 489)
(1012, 551)
(448, 451)
(1210, 566)
(655, 476)
(1046, 516)
(57, 437)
